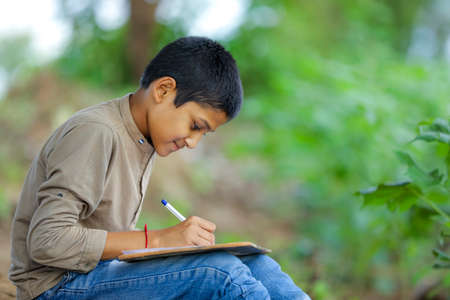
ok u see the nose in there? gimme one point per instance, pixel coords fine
(193, 139)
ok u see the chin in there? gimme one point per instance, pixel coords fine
(162, 152)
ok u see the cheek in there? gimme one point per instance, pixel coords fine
(166, 130)
(157, 131)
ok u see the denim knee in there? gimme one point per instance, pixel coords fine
(261, 263)
(239, 282)
(278, 283)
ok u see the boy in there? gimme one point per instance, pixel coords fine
(83, 193)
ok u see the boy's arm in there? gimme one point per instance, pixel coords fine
(76, 174)
(192, 231)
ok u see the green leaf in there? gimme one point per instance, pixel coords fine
(439, 265)
(447, 162)
(441, 125)
(422, 123)
(441, 255)
(439, 219)
(416, 173)
(434, 136)
(436, 176)
(443, 236)
(401, 195)
(437, 194)
(438, 131)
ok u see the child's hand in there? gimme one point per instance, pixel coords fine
(193, 231)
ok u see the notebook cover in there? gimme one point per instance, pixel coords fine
(236, 248)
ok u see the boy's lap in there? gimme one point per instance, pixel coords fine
(205, 276)
(160, 271)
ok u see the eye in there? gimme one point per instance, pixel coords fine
(195, 127)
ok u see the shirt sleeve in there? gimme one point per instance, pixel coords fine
(77, 170)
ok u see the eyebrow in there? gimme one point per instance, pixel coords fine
(207, 124)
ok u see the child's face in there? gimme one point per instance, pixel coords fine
(173, 128)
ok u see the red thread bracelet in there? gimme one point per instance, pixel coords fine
(146, 235)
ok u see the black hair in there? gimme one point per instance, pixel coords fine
(204, 72)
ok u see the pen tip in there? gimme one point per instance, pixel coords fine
(163, 201)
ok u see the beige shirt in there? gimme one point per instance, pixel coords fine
(89, 178)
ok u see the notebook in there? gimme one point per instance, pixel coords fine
(236, 248)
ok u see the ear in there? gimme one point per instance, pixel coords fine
(163, 88)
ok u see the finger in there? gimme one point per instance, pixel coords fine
(207, 225)
(207, 236)
(200, 241)
(202, 223)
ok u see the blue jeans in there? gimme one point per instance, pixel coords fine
(216, 275)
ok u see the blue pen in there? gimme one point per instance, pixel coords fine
(173, 210)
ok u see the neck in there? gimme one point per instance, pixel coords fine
(139, 112)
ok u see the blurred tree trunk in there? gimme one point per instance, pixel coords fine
(405, 16)
(142, 23)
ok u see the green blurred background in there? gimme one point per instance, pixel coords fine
(332, 90)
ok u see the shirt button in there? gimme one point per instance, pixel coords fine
(141, 141)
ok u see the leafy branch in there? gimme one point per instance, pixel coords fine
(422, 187)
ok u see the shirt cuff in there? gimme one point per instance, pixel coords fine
(92, 253)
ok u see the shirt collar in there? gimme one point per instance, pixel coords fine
(134, 132)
